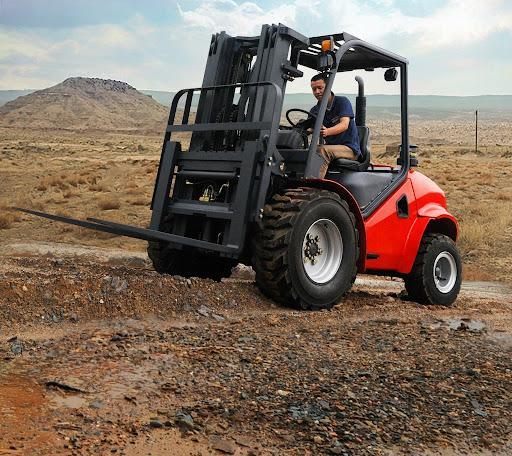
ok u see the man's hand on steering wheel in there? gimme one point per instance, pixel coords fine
(303, 124)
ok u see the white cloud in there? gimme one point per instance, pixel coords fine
(170, 57)
(36, 58)
(457, 23)
(22, 45)
(463, 22)
(243, 18)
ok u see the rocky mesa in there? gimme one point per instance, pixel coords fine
(85, 104)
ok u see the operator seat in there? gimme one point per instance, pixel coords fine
(340, 164)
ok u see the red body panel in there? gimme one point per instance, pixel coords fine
(393, 242)
(387, 233)
(387, 242)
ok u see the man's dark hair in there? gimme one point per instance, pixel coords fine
(320, 76)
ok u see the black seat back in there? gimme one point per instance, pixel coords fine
(364, 160)
(364, 137)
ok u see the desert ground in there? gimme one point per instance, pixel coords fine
(111, 175)
(101, 355)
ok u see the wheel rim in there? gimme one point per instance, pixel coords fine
(322, 251)
(445, 272)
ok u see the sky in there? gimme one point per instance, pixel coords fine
(454, 47)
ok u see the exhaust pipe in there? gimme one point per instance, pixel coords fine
(360, 103)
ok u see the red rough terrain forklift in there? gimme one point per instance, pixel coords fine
(246, 189)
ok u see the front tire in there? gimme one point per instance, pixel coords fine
(306, 253)
(436, 275)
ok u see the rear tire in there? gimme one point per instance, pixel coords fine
(436, 275)
(188, 262)
(306, 253)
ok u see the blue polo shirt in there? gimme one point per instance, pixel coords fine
(340, 107)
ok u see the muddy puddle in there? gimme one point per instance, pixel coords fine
(500, 337)
(459, 324)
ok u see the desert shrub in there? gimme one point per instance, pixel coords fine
(504, 196)
(69, 194)
(42, 186)
(98, 188)
(53, 181)
(138, 202)
(7, 217)
(109, 203)
(6, 220)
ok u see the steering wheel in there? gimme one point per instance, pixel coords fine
(301, 123)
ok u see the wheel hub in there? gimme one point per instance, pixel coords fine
(445, 272)
(322, 251)
(312, 249)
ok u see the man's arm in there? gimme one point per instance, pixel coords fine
(337, 129)
(343, 108)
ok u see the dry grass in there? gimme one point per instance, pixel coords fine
(139, 202)
(62, 181)
(85, 181)
(482, 224)
(504, 196)
(133, 191)
(98, 188)
(108, 203)
(70, 194)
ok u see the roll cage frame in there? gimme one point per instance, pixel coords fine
(371, 57)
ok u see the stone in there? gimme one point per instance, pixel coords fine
(184, 420)
(223, 446)
(242, 441)
(187, 307)
(16, 346)
(96, 405)
(318, 440)
(118, 284)
(204, 311)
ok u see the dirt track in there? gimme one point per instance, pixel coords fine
(108, 357)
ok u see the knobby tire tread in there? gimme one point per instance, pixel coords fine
(416, 281)
(270, 244)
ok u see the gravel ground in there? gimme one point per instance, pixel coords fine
(113, 359)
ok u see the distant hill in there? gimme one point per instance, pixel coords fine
(84, 104)
(156, 103)
(434, 102)
(9, 95)
(447, 103)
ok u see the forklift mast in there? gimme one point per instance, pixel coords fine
(233, 61)
(232, 142)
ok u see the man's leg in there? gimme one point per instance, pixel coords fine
(330, 152)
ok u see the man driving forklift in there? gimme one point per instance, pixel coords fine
(338, 130)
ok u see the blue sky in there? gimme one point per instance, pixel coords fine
(455, 47)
